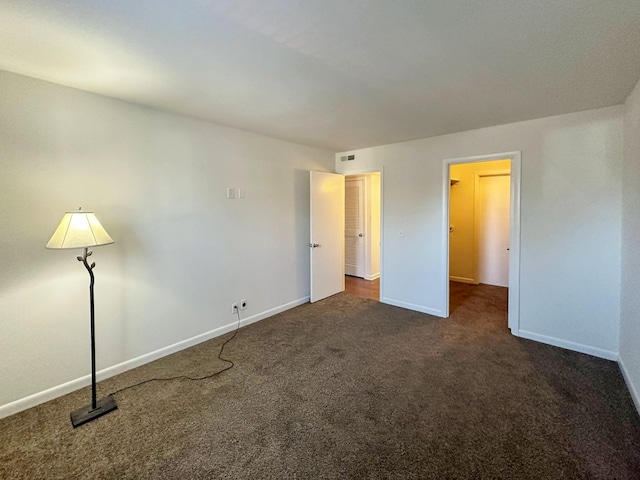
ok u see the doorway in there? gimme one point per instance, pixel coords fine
(482, 231)
(362, 235)
(326, 233)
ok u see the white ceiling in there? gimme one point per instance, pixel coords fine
(337, 74)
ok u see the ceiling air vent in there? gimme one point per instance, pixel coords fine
(346, 158)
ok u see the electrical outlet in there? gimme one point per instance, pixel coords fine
(234, 307)
(243, 304)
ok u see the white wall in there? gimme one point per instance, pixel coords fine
(630, 297)
(183, 252)
(462, 197)
(570, 222)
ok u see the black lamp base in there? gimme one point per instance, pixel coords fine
(88, 413)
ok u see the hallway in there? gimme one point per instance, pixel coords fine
(362, 288)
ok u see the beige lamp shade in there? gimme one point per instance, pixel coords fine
(79, 230)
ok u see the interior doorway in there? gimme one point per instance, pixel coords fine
(479, 204)
(482, 230)
(362, 231)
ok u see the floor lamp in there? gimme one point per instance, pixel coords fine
(83, 230)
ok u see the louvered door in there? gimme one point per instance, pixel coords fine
(354, 227)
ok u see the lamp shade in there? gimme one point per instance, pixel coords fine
(79, 230)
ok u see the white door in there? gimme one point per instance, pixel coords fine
(493, 229)
(327, 234)
(354, 227)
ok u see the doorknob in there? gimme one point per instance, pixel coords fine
(314, 245)
(360, 235)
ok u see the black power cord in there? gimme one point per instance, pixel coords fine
(187, 377)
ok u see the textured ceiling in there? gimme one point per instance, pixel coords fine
(337, 74)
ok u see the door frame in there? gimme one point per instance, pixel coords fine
(381, 172)
(514, 230)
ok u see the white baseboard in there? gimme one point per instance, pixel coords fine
(462, 280)
(411, 306)
(576, 347)
(632, 390)
(372, 277)
(68, 387)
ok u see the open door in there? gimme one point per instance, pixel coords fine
(326, 242)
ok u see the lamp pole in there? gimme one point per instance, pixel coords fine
(107, 404)
(89, 268)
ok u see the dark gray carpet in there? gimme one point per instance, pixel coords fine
(349, 388)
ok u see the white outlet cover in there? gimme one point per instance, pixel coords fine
(231, 193)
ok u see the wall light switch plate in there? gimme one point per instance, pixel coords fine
(241, 193)
(231, 193)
